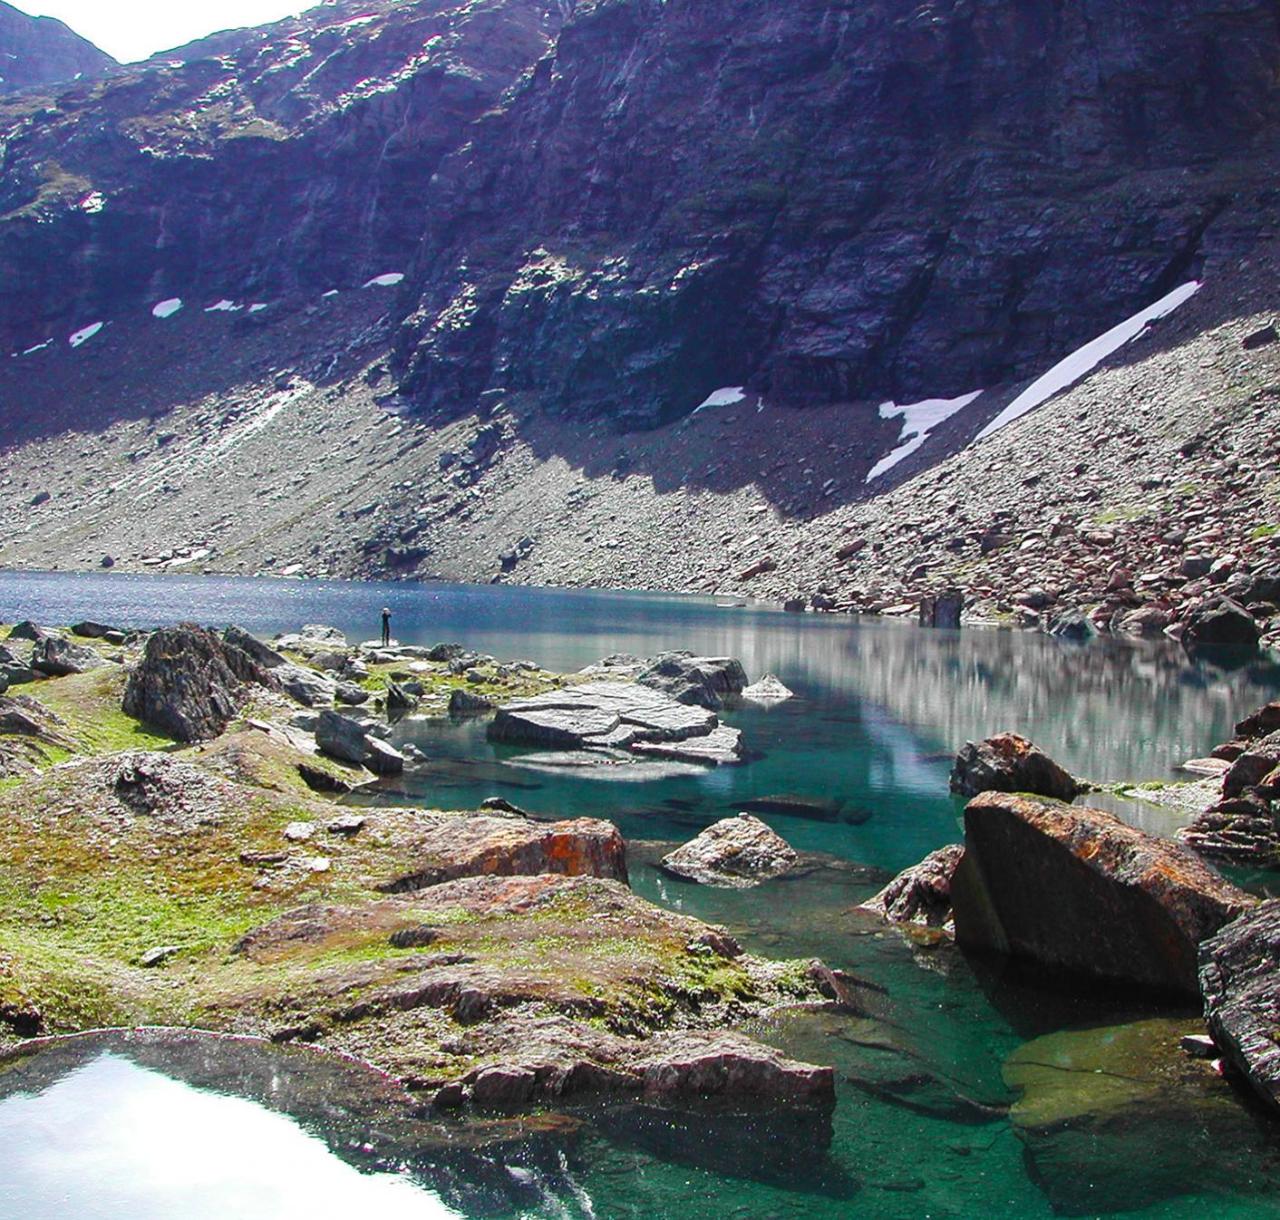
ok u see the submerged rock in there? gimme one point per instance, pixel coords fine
(1008, 762)
(1240, 981)
(1079, 890)
(736, 853)
(921, 895)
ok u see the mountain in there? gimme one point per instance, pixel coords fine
(439, 289)
(38, 51)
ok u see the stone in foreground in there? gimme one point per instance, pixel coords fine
(1240, 981)
(1081, 891)
(736, 853)
(1010, 763)
(921, 895)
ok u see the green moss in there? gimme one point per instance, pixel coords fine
(90, 705)
(1264, 531)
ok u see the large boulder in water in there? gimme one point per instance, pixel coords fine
(1079, 890)
(346, 739)
(1010, 763)
(922, 894)
(1240, 981)
(704, 681)
(190, 684)
(736, 853)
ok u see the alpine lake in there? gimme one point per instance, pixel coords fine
(972, 1089)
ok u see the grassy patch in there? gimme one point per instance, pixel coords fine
(90, 705)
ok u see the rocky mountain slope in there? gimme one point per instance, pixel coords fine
(430, 291)
(38, 51)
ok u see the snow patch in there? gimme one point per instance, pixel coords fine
(93, 203)
(390, 280)
(1081, 363)
(333, 292)
(166, 309)
(39, 347)
(224, 306)
(258, 307)
(918, 420)
(83, 336)
(726, 397)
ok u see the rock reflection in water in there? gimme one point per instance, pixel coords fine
(160, 1125)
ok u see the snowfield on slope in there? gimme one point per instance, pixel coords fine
(918, 420)
(1080, 363)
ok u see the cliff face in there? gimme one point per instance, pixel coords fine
(296, 156)
(42, 51)
(834, 200)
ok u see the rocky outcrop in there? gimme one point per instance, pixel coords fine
(43, 51)
(1010, 763)
(30, 735)
(1079, 890)
(57, 657)
(921, 895)
(736, 853)
(189, 683)
(1243, 827)
(707, 682)
(506, 847)
(1241, 986)
(617, 716)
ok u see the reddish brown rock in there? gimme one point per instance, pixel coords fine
(512, 847)
(1010, 763)
(1080, 890)
(922, 894)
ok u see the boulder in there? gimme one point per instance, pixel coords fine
(58, 657)
(1240, 982)
(1079, 890)
(399, 698)
(704, 681)
(189, 684)
(1010, 763)
(1220, 623)
(32, 632)
(511, 847)
(265, 655)
(463, 703)
(350, 741)
(89, 630)
(1074, 626)
(306, 686)
(16, 670)
(768, 690)
(736, 853)
(922, 894)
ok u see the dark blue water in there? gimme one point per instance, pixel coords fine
(922, 1127)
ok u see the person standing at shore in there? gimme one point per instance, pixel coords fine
(386, 627)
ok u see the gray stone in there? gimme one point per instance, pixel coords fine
(58, 657)
(305, 686)
(768, 690)
(705, 681)
(464, 703)
(736, 853)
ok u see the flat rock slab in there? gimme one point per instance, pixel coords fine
(1078, 889)
(617, 716)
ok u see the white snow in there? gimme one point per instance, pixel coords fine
(1079, 364)
(726, 397)
(224, 306)
(333, 292)
(390, 280)
(39, 347)
(918, 420)
(94, 202)
(83, 336)
(166, 309)
(257, 308)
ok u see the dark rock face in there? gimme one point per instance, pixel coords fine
(1220, 623)
(292, 156)
(736, 853)
(862, 200)
(922, 894)
(1242, 998)
(1079, 890)
(43, 51)
(1010, 763)
(190, 684)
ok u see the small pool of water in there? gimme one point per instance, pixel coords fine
(922, 1127)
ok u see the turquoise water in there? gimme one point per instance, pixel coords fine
(922, 1126)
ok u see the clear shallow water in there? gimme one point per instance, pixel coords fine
(921, 1127)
